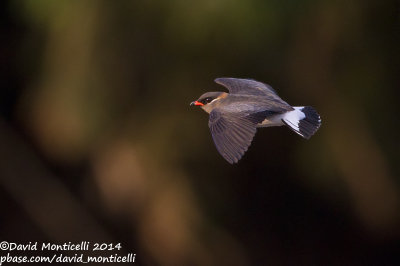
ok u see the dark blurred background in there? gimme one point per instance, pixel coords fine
(98, 142)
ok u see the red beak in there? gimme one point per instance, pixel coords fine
(196, 103)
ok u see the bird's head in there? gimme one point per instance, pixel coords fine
(209, 100)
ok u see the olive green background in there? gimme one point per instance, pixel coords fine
(98, 141)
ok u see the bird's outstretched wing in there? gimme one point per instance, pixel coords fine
(232, 134)
(246, 87)
(255, 93)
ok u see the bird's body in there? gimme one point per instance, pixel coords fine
(250, 104)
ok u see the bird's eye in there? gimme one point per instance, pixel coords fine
(206, 100)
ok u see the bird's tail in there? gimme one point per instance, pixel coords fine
(303, 120)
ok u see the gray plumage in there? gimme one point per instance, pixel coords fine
(234, 117)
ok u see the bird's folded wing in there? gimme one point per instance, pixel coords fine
(232, 134)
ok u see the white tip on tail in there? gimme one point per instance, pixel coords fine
(303, 120)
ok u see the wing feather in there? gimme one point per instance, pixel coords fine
(246, 86)
(255, 93)
(232, 134)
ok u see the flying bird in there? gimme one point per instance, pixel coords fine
(235, 116)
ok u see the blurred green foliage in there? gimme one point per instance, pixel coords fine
(95, 118)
